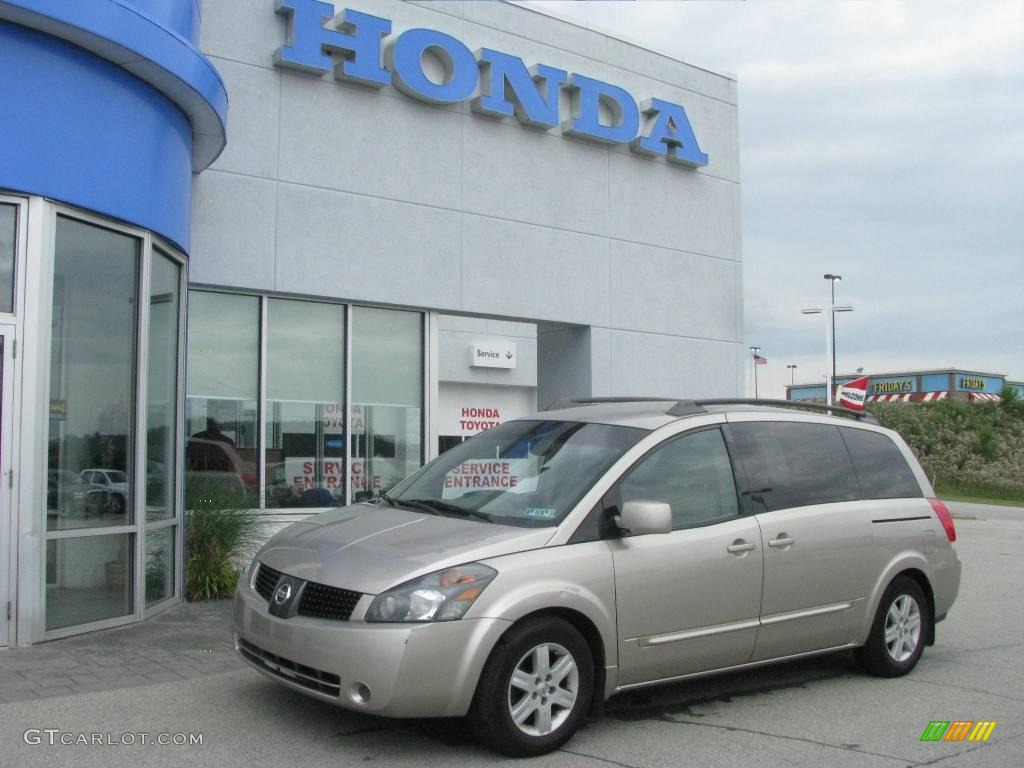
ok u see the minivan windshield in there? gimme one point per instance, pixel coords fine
(524, 473)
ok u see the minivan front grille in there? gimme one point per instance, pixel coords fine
(286, 669)
(323, 602)
(318, 601)
(266, 580)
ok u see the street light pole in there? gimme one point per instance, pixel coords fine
(792, 373)
(830, 349)
(753, 361)
(833, 279)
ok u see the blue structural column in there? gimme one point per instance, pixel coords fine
(110, 106)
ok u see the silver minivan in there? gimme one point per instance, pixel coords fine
(530, 573)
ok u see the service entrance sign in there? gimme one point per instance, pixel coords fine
(493, 353)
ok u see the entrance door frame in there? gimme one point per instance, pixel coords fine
(10, 418)
(8, 516)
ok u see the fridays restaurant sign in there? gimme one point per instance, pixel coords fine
(360, 49)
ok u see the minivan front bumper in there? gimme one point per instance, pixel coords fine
(393, 670)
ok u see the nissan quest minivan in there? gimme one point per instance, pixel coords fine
(535, 570)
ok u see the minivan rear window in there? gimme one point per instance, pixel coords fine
(790, 464)
(881, 469)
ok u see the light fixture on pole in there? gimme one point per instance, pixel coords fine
(753, 358)
(832, 280)
(829, 348)
(792, 373)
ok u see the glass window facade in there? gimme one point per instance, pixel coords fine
(162, 387)
(111, 507)
(8, 234)
(310, 457)
(387, 398)
(221, 416)
(305, 407)
(162, 381)
(92, 376)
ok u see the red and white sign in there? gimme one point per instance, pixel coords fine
(469, 409)
(478, 419)
(854, 394)
(333, 418)
(301, 474)
(515, 475)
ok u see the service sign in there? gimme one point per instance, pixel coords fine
(360, 48)
(495, 353)
(516, 475)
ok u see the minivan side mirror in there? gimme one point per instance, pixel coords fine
(639, 517)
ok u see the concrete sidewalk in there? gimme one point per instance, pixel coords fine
(188, 641)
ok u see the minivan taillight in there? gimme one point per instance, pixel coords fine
(942, 512)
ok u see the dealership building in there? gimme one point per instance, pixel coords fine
(918, 386)
(279, 254)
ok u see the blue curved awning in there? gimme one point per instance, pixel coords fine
(148, 39)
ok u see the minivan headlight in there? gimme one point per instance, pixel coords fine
(442, 596)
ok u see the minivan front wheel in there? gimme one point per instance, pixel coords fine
(535, 689)
(899, 631)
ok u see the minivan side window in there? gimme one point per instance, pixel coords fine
(792, 464)
(691, 473)
(881, 469)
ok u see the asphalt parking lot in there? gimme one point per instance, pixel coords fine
(811, 713)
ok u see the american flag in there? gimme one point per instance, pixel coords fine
(758, 360)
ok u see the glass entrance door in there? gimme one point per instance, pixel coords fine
(6, 512)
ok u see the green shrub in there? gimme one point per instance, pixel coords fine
(220, 526)
(969, 449)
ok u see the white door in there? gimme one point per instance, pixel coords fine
(6, 508)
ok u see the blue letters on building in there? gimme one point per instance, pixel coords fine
(602, 112)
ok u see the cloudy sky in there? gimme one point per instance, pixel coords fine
(882, 141)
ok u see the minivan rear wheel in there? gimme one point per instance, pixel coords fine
(899, 631)
(535, 689)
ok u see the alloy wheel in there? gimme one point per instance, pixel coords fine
(902, 627)
(543, 689)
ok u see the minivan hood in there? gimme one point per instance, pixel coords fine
(370, 548)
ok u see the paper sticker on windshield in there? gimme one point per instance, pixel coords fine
(544, 513)
(480, 475)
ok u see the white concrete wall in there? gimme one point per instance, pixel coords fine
(336, 190)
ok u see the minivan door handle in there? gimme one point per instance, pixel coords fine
(740, 546)
(781, 542)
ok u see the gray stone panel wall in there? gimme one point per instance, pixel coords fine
(336, 190)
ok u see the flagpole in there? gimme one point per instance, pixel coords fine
(753, 362)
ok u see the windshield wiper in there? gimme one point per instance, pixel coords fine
(437, 507)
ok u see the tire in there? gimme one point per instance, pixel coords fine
(117, 504)
(899, 631)
(549, 713)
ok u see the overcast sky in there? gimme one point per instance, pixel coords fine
(882, 141)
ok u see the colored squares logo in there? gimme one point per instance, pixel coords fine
(958, 730)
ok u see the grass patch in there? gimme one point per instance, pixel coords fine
(979, 494)
(980, 500)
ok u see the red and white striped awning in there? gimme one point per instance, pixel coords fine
(908, 397)
(982, 397)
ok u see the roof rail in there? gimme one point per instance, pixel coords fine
(575, 402)
(688, 407)
(691, 407)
